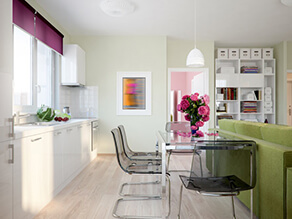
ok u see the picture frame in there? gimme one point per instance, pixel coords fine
(133, 93)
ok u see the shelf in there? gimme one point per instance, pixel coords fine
(244, 84)
(251, 100)
(226, 100)
(223, 113)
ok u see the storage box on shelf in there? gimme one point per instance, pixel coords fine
(233, 53)
(256, 53)
(247, 79)
(245, 53)
(268, 53)
(222, 53)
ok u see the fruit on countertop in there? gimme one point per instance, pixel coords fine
(61, 116)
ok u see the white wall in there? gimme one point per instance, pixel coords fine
(105, 56)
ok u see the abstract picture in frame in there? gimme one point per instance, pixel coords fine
(133, 93)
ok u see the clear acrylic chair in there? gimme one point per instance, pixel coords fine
(133, 155)
(136, 167)
(229, 167)
(178, 127)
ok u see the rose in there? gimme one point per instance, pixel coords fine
(185, 97)
(203, 110)
(194, 97)
(205, 118)
(184, 104)
(199, 133)
(199, 124)
(187, 117)
(208, 109)
(206, 99)
(194, 127)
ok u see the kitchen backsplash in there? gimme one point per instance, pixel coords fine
(83, 101)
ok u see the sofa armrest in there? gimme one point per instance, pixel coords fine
(289, 192)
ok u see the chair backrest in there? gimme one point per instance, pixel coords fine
(125, 145)
(226, 159)
(177, 126)
(121, 156)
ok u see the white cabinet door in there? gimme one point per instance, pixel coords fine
(73, 65)
(5, 180)
(57, 153)
(33, 165)
(85, 133)
(70, 151)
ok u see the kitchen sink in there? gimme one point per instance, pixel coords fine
(39, 124)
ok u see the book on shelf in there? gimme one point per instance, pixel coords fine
(229, 93)
(224, 117)
(249, 107)
(249, 69)
(258, 94)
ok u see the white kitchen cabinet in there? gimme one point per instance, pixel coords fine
(5, 180)
(57, 153)
(73, 65)
(32, 175)
(71, 154)
(85, 133)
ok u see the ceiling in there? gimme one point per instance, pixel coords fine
(230, 23)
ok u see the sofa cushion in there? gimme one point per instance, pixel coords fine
(279, 134)
(251, 129)
(227, 124)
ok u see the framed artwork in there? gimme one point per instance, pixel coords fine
(133, 93)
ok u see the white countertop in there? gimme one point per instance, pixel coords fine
(22, 131)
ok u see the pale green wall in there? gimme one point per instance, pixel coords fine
(289, 55)
(280, 54)
(105, 56)
(177, 51)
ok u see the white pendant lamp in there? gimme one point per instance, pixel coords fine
(117, 8)
(287, 2)
(195, 57)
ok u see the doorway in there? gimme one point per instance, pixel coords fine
(185, 81)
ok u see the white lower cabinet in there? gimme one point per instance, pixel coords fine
(32, 175)
(6, 209)
(43, 165)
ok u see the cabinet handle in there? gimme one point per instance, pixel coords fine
(12, 126)
(69, 130)
(80, 126)
(289, 112)
(11, 146)
(36, 139)
(58, 133)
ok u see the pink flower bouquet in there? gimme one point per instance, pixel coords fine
(197, 111)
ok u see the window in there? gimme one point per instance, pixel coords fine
(34, 72)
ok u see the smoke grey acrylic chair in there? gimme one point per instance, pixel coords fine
(176, 127)
(133, 155)
(136, 167)
(229, 168)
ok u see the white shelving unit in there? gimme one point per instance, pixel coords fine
(242, 96)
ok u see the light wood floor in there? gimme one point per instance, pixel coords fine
(93, 192)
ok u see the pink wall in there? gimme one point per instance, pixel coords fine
(181, 81)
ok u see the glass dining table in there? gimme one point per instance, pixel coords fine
(210, 147)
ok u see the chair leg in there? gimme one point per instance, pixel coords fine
(180, 200)
(143, 199)
(136, 195)
(200, 163)
(233, 208)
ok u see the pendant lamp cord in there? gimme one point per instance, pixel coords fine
(195, 19)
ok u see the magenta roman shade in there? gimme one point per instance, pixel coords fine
(34, 23)
(23, 15)
(48, 34)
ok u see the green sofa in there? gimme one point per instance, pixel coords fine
(273, 192)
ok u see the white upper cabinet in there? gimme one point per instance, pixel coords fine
(73, 66)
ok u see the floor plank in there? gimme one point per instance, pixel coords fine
(93, 192)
